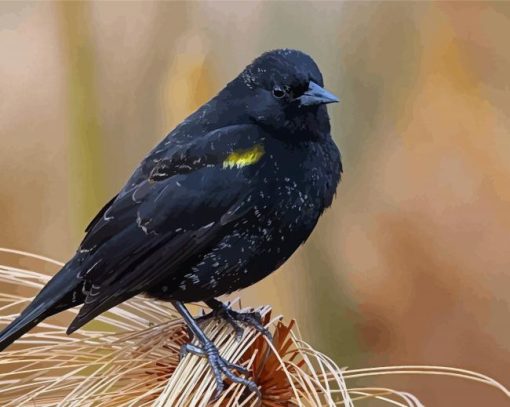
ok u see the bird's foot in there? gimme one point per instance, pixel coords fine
(220, 367)
(236, 318)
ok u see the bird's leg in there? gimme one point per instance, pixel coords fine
(207, 349)
(234, 318)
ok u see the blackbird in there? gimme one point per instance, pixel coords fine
(221, 202)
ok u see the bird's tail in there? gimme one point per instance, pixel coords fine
(21, 325)
(48, 302)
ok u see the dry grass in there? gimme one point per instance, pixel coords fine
(129, 357)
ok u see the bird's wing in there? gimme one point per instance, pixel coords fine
(177, 154)
(171, 209)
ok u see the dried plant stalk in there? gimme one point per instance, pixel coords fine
(129, 356)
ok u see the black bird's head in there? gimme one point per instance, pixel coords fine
(282, 90)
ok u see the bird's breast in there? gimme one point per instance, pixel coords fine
(305, 175)
(294, 184)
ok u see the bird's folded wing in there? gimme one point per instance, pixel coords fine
(163, 218)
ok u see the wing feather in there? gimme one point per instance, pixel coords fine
(158, 222)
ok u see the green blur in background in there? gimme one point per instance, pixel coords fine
(409, 266)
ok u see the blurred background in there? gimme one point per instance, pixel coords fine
(409, 266)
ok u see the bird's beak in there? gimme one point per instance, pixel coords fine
(316, 95)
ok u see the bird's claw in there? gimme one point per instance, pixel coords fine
(193, 349)
(253, 319)
(234, 318)
(220, 367)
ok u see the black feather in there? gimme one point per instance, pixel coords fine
(55, 297)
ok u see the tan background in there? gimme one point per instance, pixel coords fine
(411, 265)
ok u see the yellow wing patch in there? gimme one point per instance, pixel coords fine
(242, 158)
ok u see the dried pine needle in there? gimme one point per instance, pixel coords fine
(129, 356)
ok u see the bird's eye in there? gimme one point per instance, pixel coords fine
(279, 92)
